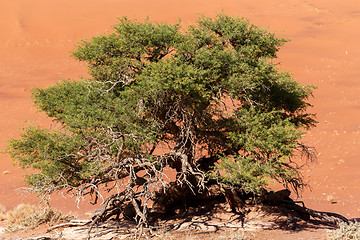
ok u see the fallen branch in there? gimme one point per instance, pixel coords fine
(72, 223)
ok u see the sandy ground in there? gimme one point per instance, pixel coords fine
(36, 38)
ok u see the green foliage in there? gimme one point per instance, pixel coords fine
(209, 92)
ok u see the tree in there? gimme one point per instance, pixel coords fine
(205, 102)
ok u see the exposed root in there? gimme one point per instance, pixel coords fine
(282, 199)
(179, 200)
(327, 216)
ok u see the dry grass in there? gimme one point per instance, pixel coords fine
(2, 212)
(345, 232)
(28, 216)
(18, 215)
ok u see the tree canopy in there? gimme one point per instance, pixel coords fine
(206, 101)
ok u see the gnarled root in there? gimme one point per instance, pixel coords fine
(282, 199)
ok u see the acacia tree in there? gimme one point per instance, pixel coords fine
(205, 102)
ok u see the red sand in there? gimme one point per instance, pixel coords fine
(37, 37)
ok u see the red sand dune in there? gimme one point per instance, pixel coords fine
(36, 38)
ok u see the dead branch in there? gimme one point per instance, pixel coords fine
(70, 224)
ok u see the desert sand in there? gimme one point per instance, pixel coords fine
(36, 38)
